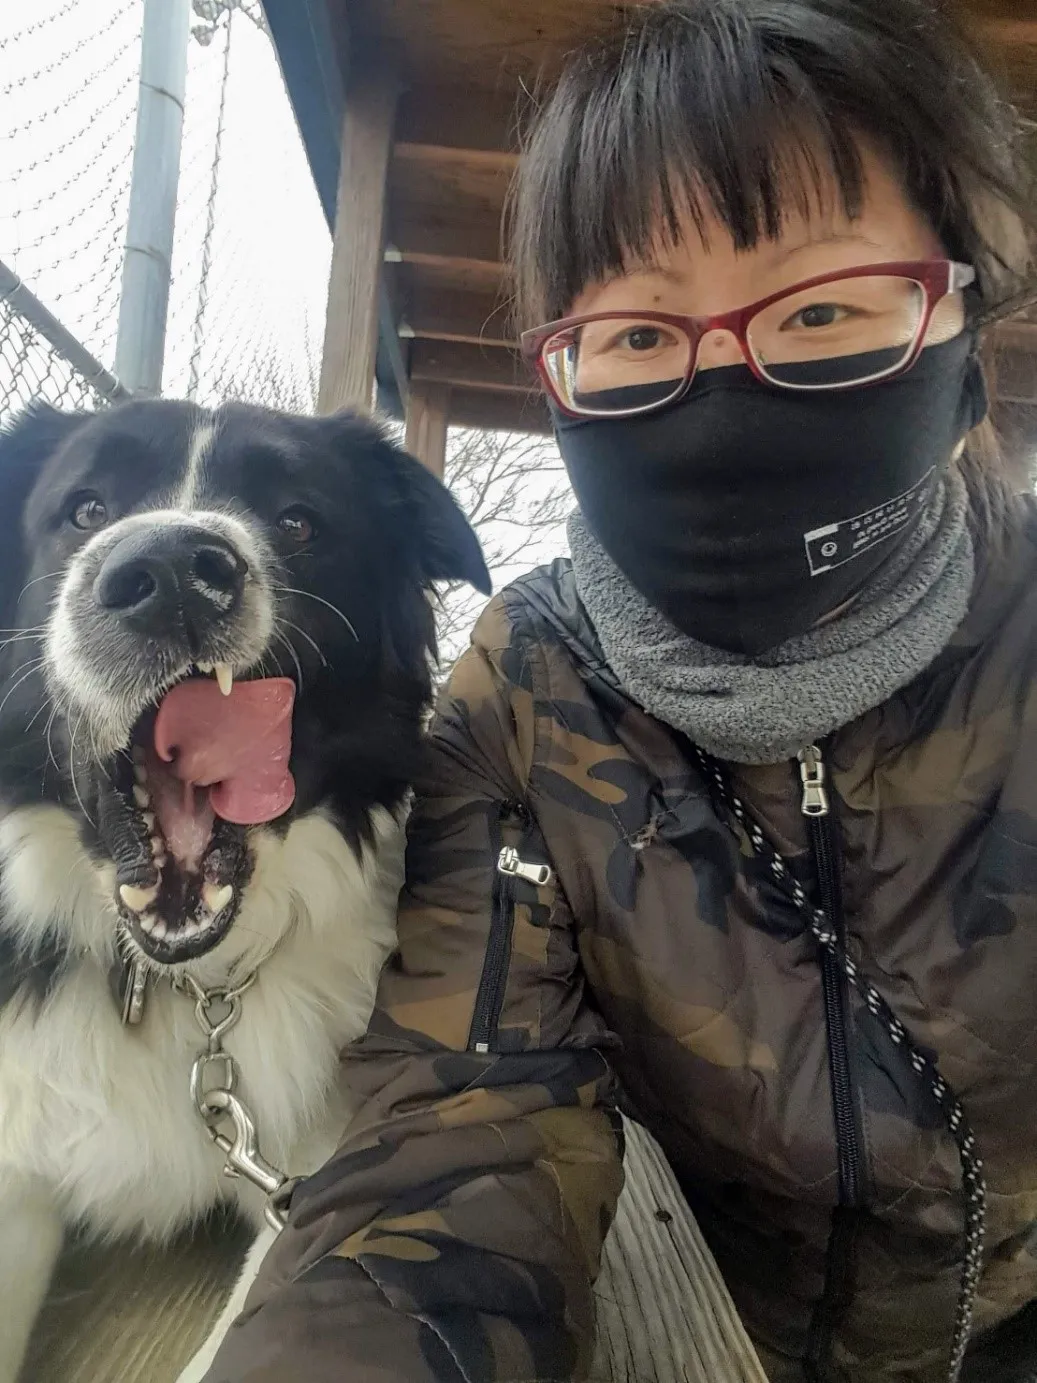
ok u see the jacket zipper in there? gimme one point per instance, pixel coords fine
(838, 1286)
(489, 998)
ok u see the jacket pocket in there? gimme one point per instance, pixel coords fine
(513, 868)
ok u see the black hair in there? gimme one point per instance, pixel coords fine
(729, 104)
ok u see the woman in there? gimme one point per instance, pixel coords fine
(734, 817)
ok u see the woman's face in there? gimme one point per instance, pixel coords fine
(704, 274)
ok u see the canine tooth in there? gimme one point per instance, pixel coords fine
(141, 796)
(216, 898)
(137, 899)
(224, 676)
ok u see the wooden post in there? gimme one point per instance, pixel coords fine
(428, 413)
(351, 329)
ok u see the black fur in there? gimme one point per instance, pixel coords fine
(385, 531)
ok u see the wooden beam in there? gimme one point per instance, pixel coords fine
(1011, 30)
(459, 117)
(428, 410)
(489, 412)
(351, 329)
(460, 158)
(1016, 336)
(428, 237)
(457, 314)
(448, 209)
(1014, 377)
(472, 367)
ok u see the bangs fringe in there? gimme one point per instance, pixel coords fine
(744, 110)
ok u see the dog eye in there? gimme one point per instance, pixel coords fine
(89, 513)
(296, 526)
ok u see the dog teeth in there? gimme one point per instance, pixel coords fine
(140, 773)
(141, 796)
(137, 899)
(158, 846)
(149, 820)
(216, 898)
(205, 667)
(159, 930)
(224, 676)
(149, 923)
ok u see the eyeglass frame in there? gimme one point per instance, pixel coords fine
(939, 278)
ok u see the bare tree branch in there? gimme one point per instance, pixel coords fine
(516, 495)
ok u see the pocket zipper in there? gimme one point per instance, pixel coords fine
(490, 996)
(510, 864)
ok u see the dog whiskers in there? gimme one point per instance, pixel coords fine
(28, 670)
(47, 576)
(72, 768)
(36, 714)
(302, 632)
(50, 746)
(278, 634)
(293, 590)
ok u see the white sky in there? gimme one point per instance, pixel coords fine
(68, 95)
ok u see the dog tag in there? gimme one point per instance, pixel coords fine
(133, 988)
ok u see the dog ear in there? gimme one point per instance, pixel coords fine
(26, 444)
(436, 526)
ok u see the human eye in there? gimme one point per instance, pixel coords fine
(817, 316)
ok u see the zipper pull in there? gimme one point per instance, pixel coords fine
(812, 774)
(508, 862)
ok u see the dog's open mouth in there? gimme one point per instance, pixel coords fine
(209, 761)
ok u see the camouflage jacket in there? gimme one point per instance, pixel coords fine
(456, 1234)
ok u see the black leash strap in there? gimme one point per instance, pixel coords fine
(973, 1183)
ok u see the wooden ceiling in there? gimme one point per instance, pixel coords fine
(464, 66)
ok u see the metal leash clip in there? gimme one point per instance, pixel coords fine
(219, 1107)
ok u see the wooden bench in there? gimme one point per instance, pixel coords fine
(664, 1316)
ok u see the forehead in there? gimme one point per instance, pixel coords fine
(177, 450)
(814, 223)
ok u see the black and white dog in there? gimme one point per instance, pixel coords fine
(214, 671)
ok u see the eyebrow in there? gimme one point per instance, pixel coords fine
(835, 238)
(781, 255)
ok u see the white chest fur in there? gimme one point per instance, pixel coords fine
(103, 1114)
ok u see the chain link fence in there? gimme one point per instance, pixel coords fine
(252, 249)
(40, 360)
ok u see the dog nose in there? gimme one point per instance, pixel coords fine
(173, 573)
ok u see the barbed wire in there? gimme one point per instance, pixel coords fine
(251, 253)
(67, 118)
(253, 250)
(30, 30)
(67, 110)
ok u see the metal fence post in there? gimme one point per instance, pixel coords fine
(144, 299)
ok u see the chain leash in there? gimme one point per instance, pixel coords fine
(227, 1118)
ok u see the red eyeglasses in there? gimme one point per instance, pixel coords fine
(836, 331)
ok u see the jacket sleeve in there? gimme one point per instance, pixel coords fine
(455, 1235)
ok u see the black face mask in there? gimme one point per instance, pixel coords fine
(746, 513)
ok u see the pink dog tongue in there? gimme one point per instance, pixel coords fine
(236, 746)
